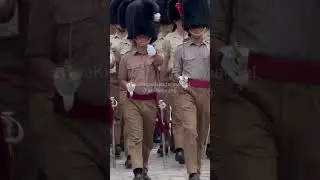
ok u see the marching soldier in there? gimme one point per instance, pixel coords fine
(138, 74)
(123, 46)
(118, 44)
(171, 42)
(165, 28)
(192, 71)
(68, 55)
(268, 117)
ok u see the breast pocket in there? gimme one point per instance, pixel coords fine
(189, 61)
(136, 71)
(74, 23)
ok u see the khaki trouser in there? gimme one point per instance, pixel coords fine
(122, 101)
(194, 110)
(268, 131)
(114, 92)
(140, 119)
(171, 98)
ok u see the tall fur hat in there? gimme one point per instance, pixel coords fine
(142, 18)
(163, 5)
(121, 13)
(114, 5)
(173, 13)
(195, 13)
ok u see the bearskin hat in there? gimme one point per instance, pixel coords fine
(163, 5)
(195, 14)
(173, 13)
(122, 13)
(142, 18)
(114, 5)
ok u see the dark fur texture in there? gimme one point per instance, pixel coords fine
(114, 5)
(173, 13)
(196, 14)
(140, 19)
(122, 13)
(163, 5)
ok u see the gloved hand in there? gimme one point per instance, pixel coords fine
(151, 50)
(130, 87)
(183, 81)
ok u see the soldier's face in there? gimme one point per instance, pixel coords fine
(197, 32)
(142, 40)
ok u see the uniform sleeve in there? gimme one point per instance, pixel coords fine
(41, 30)
(123, 74)
(166, 47)
(177, 66)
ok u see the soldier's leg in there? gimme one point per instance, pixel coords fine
(246, 144)
(298, 140)
(122, 101)
(177, 128)
(149, 121)
(134, 127)
(188, 111)
(40, 110)
(203, 122)
(75, 149)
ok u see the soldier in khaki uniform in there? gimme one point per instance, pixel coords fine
(169, 45)
(165, 28)
(193, 103)
(118, 42)
(121, 44)
(75, 142)
(139, 66)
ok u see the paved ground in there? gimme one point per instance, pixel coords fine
(172, 170)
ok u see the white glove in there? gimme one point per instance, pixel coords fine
(183, 81)
(130, 87)
(151, 50)
(162, 104)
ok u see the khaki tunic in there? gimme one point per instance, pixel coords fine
(139, 115)
(193, 104)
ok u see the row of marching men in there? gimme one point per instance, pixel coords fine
(160, 77)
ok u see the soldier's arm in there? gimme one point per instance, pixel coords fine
(7, 10)
(158, 59)
(177, 66)
(222, 24)
(123, 73)
(39, 50)
(166, 55)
